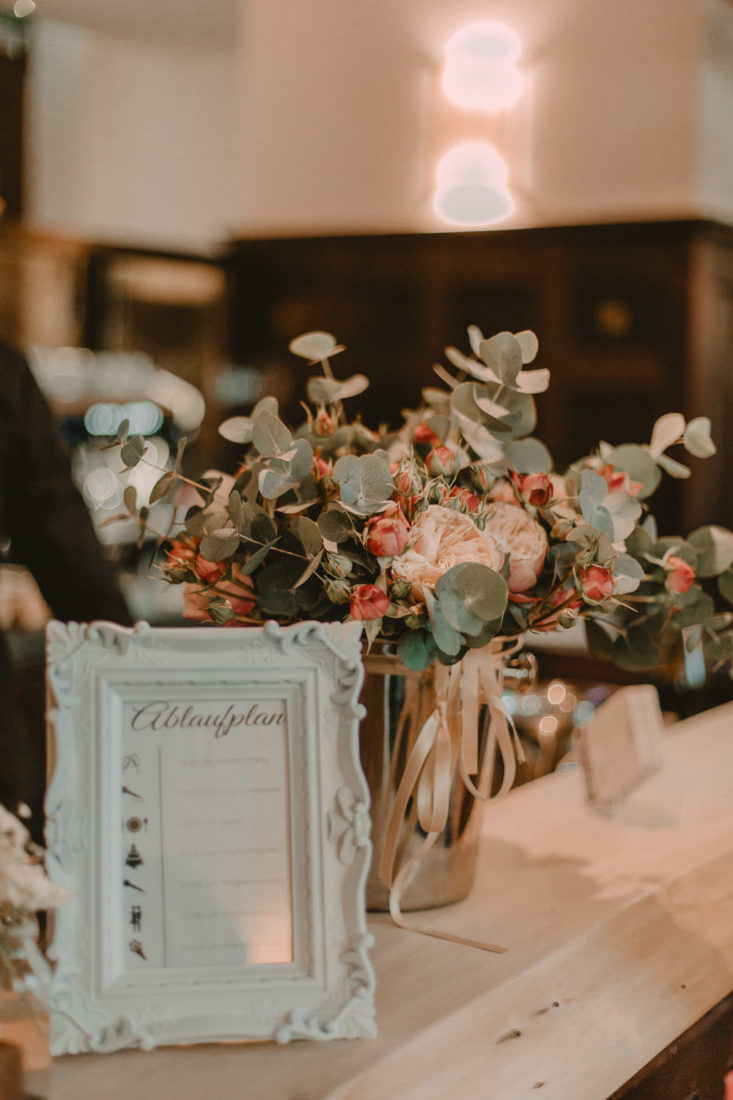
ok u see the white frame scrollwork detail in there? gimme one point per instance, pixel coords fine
(327, 990)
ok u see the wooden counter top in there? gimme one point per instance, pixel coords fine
(620, 936)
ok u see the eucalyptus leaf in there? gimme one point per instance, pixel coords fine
(593, 491)
(314, 345)
(528, 344)
(639, 465)
(180, 450)
(335, 525)
(254, 560)
(697, 438)
(130, 498)
(628, 575)
(454, 612)
(637, 649)
(481, 590)
(696, 611)
(668, 429)
(725, 585)
(123, 430)
(447, 639)
(132, 451)
(162, 487)
(365, 482)
(274, 590)
(309, 569)
(503, 355)
(219, 544)
(236, 510)
(308, 534)
(672, 467)
(528, 456)
(237, 429)
(414, 652)
(714, 546)
(269, 434)
(600, 642)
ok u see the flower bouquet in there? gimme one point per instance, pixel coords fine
(24, 973)
(446, 537)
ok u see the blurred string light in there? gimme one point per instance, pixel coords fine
(23, 8)
(471, 185)
(480, 71)
(480, 74)
(103, 419)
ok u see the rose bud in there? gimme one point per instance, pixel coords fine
(482, 477)
(387, 535)
(467, 501)
(536, 489)
(321, 468)
(680, 577)
(240, 591)
(208, 572)
(338, 591)
(369, 601)
(340, 565)
(325, 424)
(180, 553)
(442, 462)
(424, 434)
(596, 582)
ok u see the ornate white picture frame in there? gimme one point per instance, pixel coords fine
(207, 811)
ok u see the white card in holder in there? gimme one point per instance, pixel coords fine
(621, 744)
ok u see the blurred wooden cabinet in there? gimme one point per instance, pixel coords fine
(633, 320)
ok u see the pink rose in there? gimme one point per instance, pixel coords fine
(424, 434)
(388, 534)
(208, 572)
(236, 591)
(442, 462)
(369, 601)
(441, 538)
(180, 553)
(536, 489)
(469, 502)
(680, 577)
(522, 539)
(596, 582)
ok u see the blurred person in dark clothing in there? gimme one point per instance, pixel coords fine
(45, 526)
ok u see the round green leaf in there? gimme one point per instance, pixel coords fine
(314, 345)
(714, 546)
(639, 465)
(237, 429)
(529, 456)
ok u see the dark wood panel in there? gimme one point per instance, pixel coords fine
(693, 1067)
(12, 79)
(631, 321)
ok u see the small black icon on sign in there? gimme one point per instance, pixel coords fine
(126, 882)
(126, 790)
(136, 915)
(137, 949)
(134, 859)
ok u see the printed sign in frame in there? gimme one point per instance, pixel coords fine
(208, 813)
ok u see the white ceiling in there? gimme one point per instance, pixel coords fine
(205, 23)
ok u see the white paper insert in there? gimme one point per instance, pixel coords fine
(207, 865)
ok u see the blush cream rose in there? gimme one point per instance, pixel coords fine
(442, 538)
(520, 538)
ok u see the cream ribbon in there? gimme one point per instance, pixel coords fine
(445, 748)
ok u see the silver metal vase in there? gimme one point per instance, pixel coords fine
(398, 702)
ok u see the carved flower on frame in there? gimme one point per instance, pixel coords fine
(348, 825)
